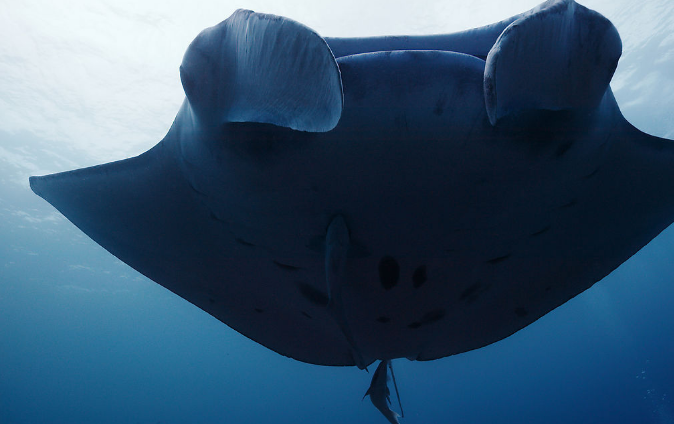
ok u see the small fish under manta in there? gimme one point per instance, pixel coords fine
(379, 393)
(347, 200)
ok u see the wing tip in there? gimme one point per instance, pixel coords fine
(36, 185)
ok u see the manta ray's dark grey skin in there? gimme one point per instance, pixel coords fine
(342, 201)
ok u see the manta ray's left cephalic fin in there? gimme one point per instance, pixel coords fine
(559, 56)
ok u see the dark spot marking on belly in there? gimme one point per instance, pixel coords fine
(569, 204)
(384, 320)
(439, 108)
(471, 293)
(286, 267)
(243, 242)
(211, 300)
(419, 277)
(389, 272)
(498, 259)
(521, 312)
(306, 315)
(313, 295)
(258, 310)
(563, 148)
(541, 231)
(433, 316)
(194, 189)
(591, 174)
(428, 318)
(217, 218)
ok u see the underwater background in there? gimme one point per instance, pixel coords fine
(86, 339)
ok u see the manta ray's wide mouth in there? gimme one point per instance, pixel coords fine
(344, 47)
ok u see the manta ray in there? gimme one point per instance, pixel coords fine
(343, 201)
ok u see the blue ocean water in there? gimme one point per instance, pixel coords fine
(85, 339)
